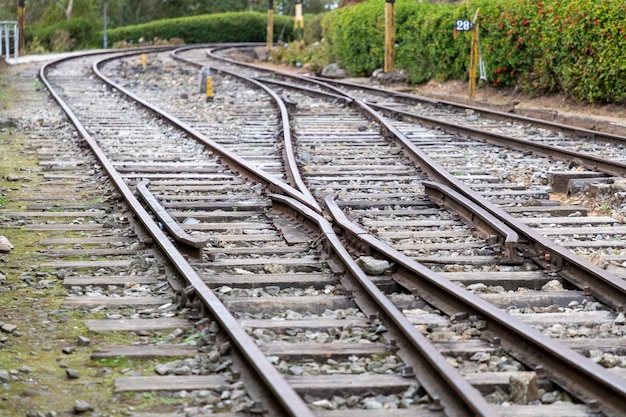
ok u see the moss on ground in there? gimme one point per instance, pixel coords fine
(31, 299)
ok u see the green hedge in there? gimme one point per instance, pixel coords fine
(222, 27)
(66, 35)
(576, 47)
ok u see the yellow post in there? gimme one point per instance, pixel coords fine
(473, 58)
(270, 24)
(21, 19)
(209, 88)
(144, 60)
(390, 35)
(298, 22)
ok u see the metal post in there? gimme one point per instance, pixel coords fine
(105, 42)
(21, 22)
(270, 24)
(17, 41)
(390, 35)
(2, 26)
(7, 42)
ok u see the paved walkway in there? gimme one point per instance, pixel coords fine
(26, 59)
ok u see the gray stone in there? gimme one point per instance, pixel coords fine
(5, 245)
(81, 406)
(84, 341)
(372, 266)
(26, 369)
(523, 387)
(478, 287)
(7, 123)
(389, 77)
(553, 286)
(72, 373)
(161, 369)
(372, 405)
(8, 328)
(550, 397)
(333, 71)
(324, 404)
(296, 370)
(4, 376)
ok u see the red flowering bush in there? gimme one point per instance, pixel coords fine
(576, 47)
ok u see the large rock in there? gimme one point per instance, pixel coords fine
(523, 387)
(389, 77)
(372, 266)
(333, 71)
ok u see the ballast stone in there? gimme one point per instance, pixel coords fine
(5, 245)
(372, 266)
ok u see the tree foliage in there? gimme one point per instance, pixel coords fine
(131, 12)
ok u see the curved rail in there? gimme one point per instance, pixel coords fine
(495, 114)
(613, 391)
(570, 369)
(283, 392)
(605, 287)
(291, 166)
(230, 159)
(458, 396)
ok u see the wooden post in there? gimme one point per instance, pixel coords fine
(390, 35)
(298, 23)
(473, 58)
(270, 24)
(21, 22)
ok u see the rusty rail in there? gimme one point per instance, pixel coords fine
(577, 374)
(282, 391)
(477, 216)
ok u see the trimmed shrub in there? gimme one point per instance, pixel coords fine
(547, 46)
(223, 27)
(65, 36)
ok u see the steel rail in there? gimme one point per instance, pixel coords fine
(569, 369)
(477, 216)
(458, 396)
(610, 384)
(589, 161)
(291, 166)
(582, 273)
(336, 90)
(282, 391)
(494, 114)
(227, 157)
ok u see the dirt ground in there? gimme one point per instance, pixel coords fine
(558, 102)
(506, 98)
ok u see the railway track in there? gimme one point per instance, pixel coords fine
(249, 245)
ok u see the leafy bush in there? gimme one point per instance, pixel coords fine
(313, 28)
(575, 47)
(223, 27)
(65, 35)
(315, 55)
